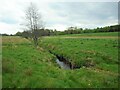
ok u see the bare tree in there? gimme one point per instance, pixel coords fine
(33, 21)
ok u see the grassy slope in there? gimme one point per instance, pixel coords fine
(77, 51)
(102, 53)
(24, 66)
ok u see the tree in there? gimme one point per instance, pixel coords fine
(26, 34)
(18, 34)
(33, 21)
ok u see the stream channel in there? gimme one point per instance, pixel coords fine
(62, 64)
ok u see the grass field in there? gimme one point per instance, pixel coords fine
(25, 66)
(95, 34)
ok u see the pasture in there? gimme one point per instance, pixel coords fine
(94, 61)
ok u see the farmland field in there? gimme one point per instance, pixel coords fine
(94, 60)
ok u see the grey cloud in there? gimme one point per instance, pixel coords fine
(85, 12)
(59, 14)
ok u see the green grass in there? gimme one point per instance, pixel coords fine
(21, 62)
(94, 53)
(26, 67)
(95, 34)
(85, 51)
(0, 62)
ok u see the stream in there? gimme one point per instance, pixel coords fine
(62, 64)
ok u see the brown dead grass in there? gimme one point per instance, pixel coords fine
(96, 37)
(13, 40)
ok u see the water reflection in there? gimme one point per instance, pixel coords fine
(62, 64)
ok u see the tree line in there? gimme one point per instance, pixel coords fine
(70, 30)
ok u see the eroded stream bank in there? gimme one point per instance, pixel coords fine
(63, 62)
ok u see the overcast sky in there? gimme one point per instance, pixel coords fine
(59, 15)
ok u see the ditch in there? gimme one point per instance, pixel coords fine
(64, 63)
